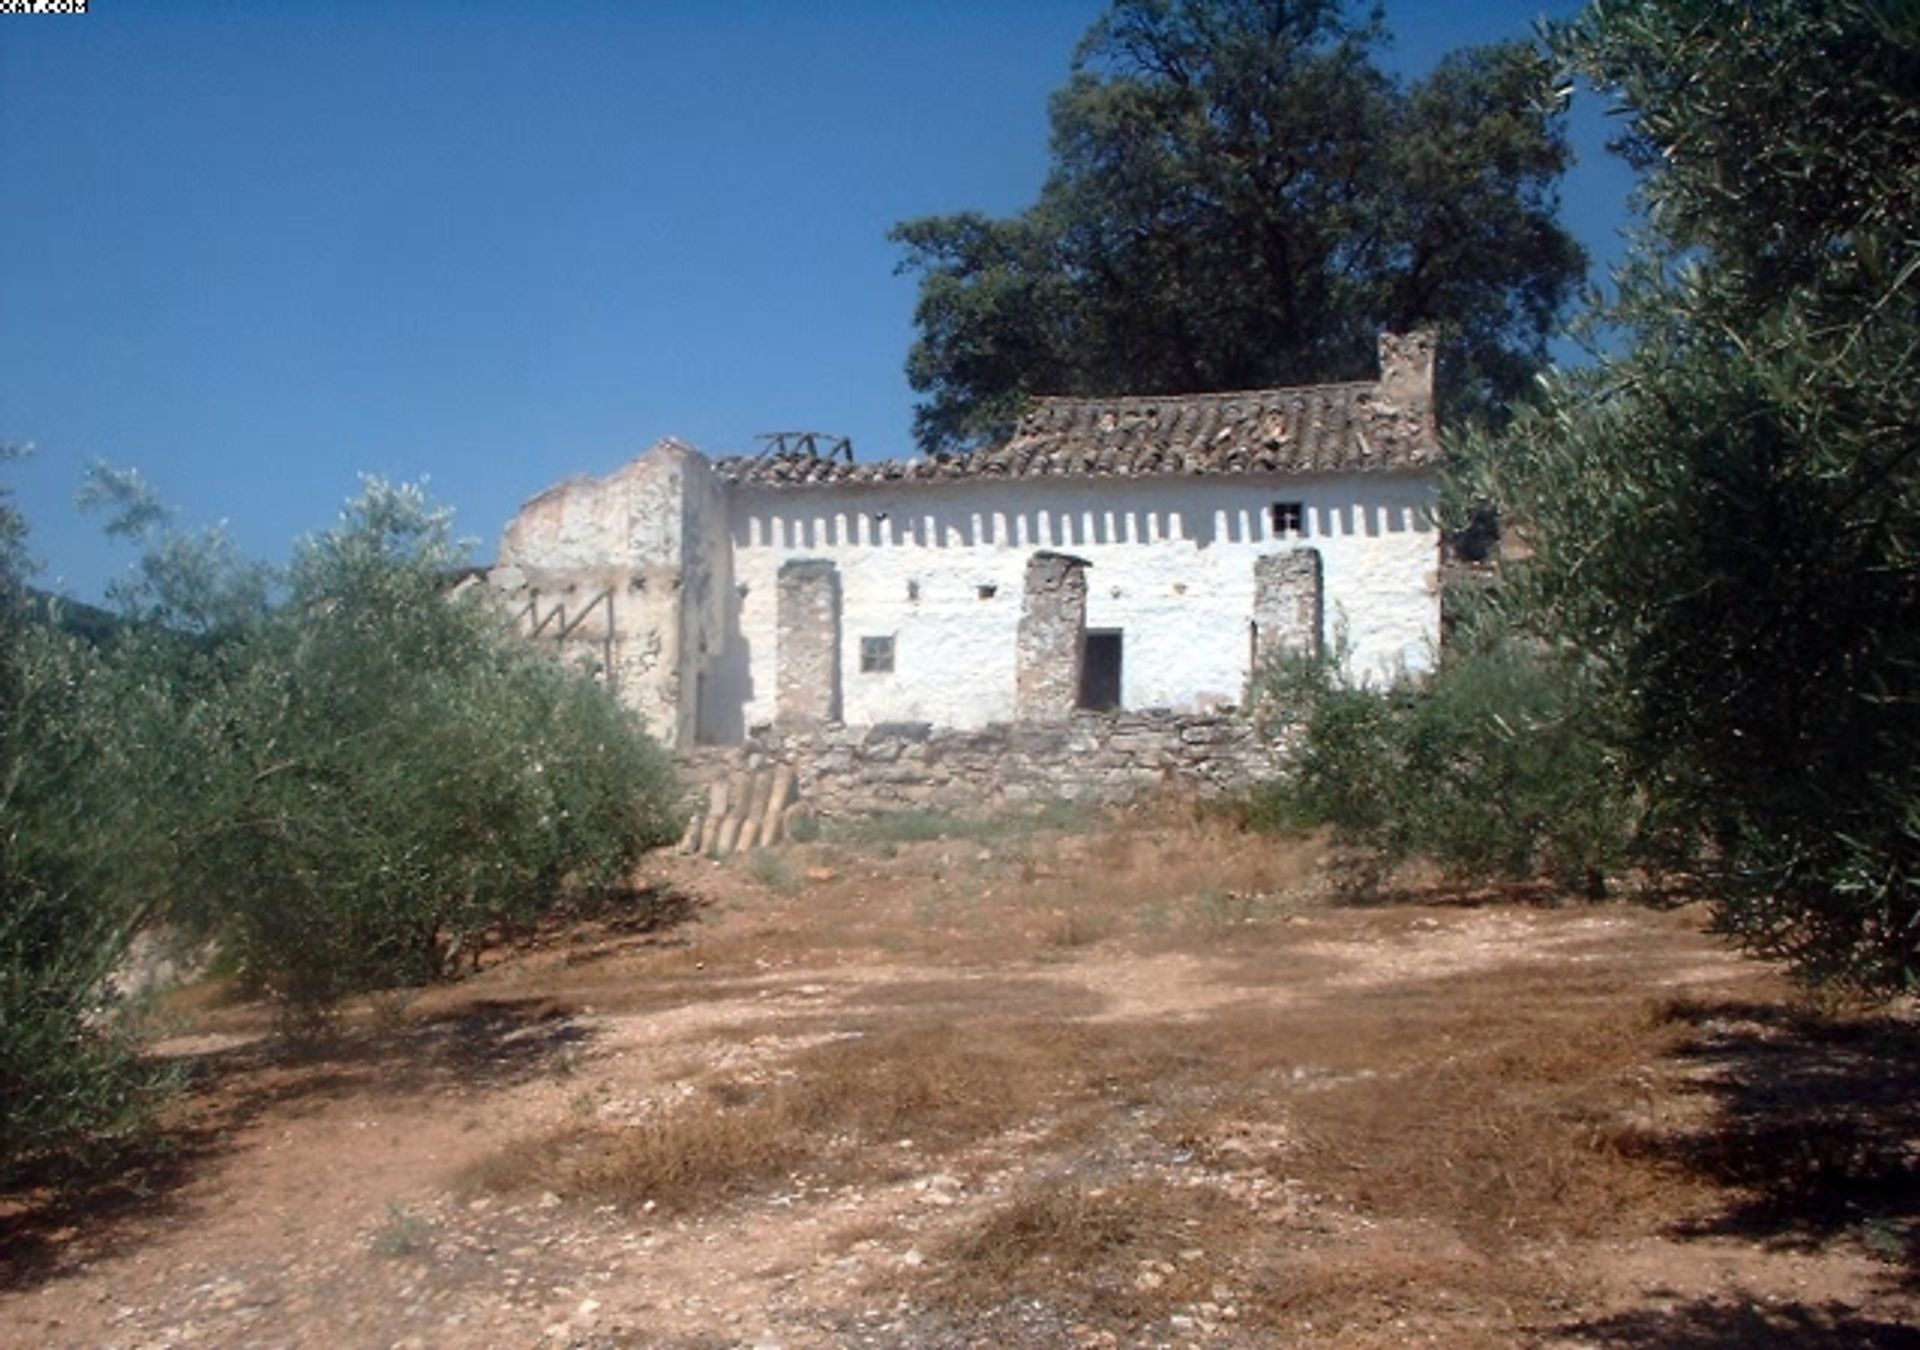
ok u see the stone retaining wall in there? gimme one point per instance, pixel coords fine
(1094, 757)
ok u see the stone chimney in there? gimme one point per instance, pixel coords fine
(1404, 411)
(1406, 370)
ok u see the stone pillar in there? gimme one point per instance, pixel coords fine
(1406, 370)
(807, 655)
(1052, 633)
(1287, 605)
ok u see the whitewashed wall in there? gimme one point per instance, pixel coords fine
(1172, 567)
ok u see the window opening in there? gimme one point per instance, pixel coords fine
(1100, 670)
(1288, 517)
(876, 655)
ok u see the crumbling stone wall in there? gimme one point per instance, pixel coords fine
(1399, 410)
(1050, 642)
(1103, 758)
(1287, 605)
(808, 655)
(629, 577)
(706, 597)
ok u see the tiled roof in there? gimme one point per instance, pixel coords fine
(1305, 429)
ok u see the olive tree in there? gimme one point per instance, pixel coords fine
(1722, 518)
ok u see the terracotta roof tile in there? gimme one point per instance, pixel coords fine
(1327, 428)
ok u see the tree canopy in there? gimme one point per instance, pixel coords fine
(1723, 520)
(1240, 196)
(342, 778)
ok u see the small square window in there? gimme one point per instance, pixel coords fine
(876, 655)
(1288, 517)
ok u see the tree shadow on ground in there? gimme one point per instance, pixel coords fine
(1362, 886)
(632, 921)
(1714, 1324)
(55, 1220)
(1814, 1138)
(1817, 1126)
(607, 923)
(487, 1043)
(1359, 880)
(58, 1217)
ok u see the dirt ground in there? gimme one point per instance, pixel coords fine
(1143, 1082)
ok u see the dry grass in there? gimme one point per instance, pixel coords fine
(1518, 1110)
(1124, 1250)
(970, 892)
(1173, 1085)
(1393, 1285)
(1506, 1106)
(1132, 1253)
(1201, 870)
(1495, 1083)
(1338, 1165)
(934, 1084)
(1510, 1122)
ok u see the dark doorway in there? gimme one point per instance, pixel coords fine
(1100, 670)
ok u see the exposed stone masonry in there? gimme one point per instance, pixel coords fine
(1287, 605)
(1092, 757)
(1049, 647)
(808, 662)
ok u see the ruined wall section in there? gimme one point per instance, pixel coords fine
(1098, 758)
(708, 605)
(600, 565)
(807, 648)
(1288, 605)
(1050, 642)
(1400, 410)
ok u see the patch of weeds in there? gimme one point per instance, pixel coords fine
(1152, 915)
(389, 1008)
(1220, 911)
(922, 826)
(1102, 1250)
(929, 908)
(1525, 1125)
(773, 871)
(903, 827)
(402, 1234)
(1078, 928)
(1062, 1225)
(1068, 815)
(939, 1085)
(1885, 1238)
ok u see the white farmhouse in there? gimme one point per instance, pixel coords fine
(1119, 553)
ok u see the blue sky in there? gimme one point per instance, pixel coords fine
(255, 249)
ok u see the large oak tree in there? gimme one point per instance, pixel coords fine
(1240, 196)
